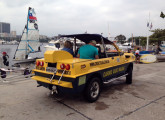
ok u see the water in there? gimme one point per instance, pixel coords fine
(10, 50)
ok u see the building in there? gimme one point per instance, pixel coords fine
(13, 34)
(4, 27)
(4, 34)
(43, 37)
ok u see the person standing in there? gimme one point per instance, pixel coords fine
(137, 55)
(88, 51)
(157, 50)
(5, 59)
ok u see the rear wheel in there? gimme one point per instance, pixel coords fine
(129, 76)
(92, 91)
(3, 74)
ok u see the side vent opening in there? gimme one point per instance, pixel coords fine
(127, 56)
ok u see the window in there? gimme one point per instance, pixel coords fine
(111, 50)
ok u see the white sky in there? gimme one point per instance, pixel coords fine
(78, 16)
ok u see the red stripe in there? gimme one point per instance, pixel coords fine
(32, 18)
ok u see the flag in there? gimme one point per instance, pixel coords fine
(31, 17)
(151, 26)
(148, 24)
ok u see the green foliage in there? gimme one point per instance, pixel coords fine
(158, 33)
(140, 39)
(162, 15)
(157, 36)
(120, 38)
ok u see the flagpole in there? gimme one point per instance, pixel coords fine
(147, 41)
(148, 35)
(132, 41)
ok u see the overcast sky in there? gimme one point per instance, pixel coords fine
(78, 16)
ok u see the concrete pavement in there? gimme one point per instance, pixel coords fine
(20, 99)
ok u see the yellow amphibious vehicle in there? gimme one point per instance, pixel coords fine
(60, 71)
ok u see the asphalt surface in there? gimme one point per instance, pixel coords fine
(144, 99)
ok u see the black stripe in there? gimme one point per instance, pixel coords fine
(88, 75)
(55, 77)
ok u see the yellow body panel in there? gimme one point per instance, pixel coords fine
(78, 67)
(75, 60)
(54, 82)
(51, 56)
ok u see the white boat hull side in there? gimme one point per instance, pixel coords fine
(148, 58)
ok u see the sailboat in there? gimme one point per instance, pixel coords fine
(30, 39)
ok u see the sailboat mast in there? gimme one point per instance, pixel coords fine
(27, 28)
(132, 40)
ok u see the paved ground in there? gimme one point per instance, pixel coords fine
(20, 99)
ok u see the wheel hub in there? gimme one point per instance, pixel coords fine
(94, 90)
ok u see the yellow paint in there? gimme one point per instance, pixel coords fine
(107, 73)
(113, 71)
(54, 82)
(121, 68)
(76, 69)
(51, 56)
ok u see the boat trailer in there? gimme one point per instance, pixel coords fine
(8, 73)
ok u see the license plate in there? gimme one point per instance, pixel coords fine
(51, 69)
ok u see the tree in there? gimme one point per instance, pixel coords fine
(120, 38)
(157, 36)
(162, 15)
(138, 39)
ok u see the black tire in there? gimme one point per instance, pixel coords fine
(26, 72)
(3, 74)
(92, 90)
(129, 76)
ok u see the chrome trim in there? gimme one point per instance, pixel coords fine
(113, 79)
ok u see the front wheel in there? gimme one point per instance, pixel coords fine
(92, 91)
(129, 76)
